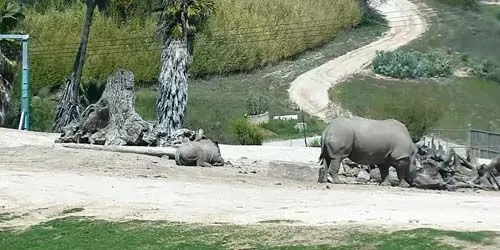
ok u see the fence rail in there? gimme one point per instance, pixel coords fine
(480, 143)
(484, 144)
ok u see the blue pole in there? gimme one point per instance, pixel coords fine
(25, 97)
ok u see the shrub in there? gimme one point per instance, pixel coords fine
(257, 105)
(246, 133)
(487, 70)
(414, 109)
(315, 143)
(42, 114)
(410, 64)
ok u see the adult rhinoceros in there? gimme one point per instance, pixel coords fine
(365, 141)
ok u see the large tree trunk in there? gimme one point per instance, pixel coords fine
(68, 108)
(5, 88)
(114, 121)
(172, 85)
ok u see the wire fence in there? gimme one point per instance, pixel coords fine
(480, 143)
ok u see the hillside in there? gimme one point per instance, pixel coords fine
(467, 39)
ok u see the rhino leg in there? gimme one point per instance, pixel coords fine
(384, 174)
(201, 163)
(402, 167)
(333, 170)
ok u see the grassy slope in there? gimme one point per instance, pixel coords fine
(80, 233)
(467, 100)
(232, 39)
(214, 103)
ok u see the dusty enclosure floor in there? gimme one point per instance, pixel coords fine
(44, 181)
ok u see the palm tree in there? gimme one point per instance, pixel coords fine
(10, 16)
(178, 23)
(69, 108)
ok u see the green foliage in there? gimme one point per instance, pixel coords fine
(232, 40)
(286, 129)
(174, 12)
(246, 133)
(316, 143)
(257, 104)
(42, 114)
(411, 64)
(11, 15)
(487, 70)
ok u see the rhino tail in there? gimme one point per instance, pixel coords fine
(322, 154)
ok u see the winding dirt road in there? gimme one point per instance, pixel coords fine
(310, 90)
(39, 179)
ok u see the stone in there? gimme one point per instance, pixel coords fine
(363, 177)
(293, 170)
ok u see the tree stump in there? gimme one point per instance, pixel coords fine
(113, 119)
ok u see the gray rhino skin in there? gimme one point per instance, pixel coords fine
(200, 152)
(365, 141)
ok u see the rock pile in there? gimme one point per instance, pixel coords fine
(435, 170)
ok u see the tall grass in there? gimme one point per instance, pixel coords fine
(241, 35)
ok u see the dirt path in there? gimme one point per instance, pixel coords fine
(310, 90)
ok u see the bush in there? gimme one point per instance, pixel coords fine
(241, 35)
(411, 64)
(257, 105)
(246, 133)
(42, 114)
(316, 143)
(487, 70)
(414, 109)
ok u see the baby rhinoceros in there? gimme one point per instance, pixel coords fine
(201, 152)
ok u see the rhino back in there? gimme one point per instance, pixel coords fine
(188, 153)
(209, 149)
(369, 141)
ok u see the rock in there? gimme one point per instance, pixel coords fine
(293, 170)
(363, 177)
(426, 182)
(375, 175)
(393, 176)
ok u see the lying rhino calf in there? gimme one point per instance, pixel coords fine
(202, 152)
(383, 143)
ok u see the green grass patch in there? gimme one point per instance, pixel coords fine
(291, 129)
(461, 32)
(84, 233)
(463, 100)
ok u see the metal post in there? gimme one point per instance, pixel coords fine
(468, 144)
(25, 96)
(25, 102)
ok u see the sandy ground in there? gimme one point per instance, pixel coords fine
(40, 181)
(310, 90)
